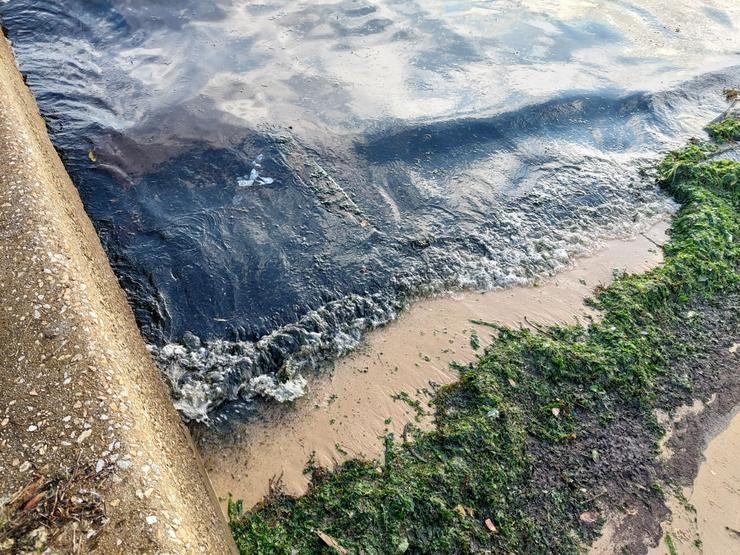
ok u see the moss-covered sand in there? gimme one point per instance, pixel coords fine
(514, 462)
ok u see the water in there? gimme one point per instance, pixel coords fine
(271, 180)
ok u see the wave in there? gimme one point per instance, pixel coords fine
(522, 246)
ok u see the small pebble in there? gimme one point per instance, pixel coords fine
(83, 436)
(123, 464)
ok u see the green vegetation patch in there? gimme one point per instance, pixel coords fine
(476, 482)
(725, 131)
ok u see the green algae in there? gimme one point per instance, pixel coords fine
(727, 130)
(670, 545)
(470, 484)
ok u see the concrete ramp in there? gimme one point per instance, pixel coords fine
(93, 457)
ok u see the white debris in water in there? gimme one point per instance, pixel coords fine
(254, 176)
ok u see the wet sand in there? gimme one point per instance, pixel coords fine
(715, 496)
(346, 411)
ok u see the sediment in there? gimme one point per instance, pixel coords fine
(93, 456)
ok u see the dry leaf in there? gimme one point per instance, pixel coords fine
(35, 501)
(331, 542)
(589, 517)
(490, 525)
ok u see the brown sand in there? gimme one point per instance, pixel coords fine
(79, 393)
(715, 495)
(344, 413)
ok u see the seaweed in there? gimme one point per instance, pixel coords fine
(725, 131)
(473, 483)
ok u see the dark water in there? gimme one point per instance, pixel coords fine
(273, 179)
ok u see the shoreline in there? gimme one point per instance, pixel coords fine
(709, 509)
(529, 432)
(349, 408)
(552, 432)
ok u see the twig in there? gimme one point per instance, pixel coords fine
(539, 328)
(659, 245)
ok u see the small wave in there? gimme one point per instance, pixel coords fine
(525, 245)
(204, 375)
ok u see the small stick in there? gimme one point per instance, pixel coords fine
(652, 241)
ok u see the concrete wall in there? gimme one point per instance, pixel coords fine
(93, 457)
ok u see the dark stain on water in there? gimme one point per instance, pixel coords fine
(271, 181)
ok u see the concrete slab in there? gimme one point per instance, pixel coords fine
(93, 456)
